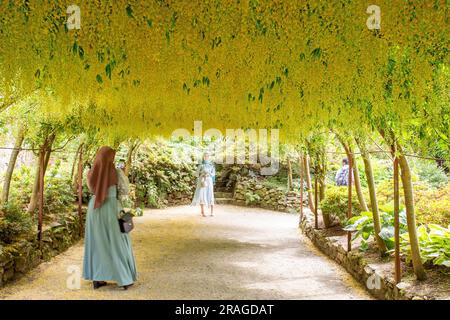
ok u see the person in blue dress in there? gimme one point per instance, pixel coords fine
(204, 193)
(108, 255)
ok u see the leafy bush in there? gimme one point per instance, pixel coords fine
(363, 226)
(431, 204)
(153, 196)
(157, 175)
(14, 222)
(335, 203)
(21, 186)
(430, 173)
(58, 194)
(251, 198)
(434, 241)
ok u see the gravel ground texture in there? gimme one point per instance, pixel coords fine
(240, 253)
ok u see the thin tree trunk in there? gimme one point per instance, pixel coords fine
(323, 172)
(289, 186)
(73, 177)
(405, 174)
(76, 167)
(372, 193)
(11, 165)
(410, 216)
(307, 174)
(46, 147)
(133, 147)
(348, 151)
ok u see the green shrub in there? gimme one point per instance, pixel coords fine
(434, 241)
(14, 222)
(430, 173)
(58, 196)
(363, 226)
(157, 175)
(153, 198)
(431, 204)
(251, 198)
(21, 186)
(335, 203)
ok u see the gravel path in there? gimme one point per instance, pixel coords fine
(241, 253)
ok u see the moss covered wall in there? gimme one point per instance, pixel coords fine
(23, 255)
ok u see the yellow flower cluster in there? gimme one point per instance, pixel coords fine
(141, 68)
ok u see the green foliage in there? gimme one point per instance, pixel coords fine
(431, 204)
(21, 185)
(14, 222)
(428, 172)
(335, 202)
(153, 196)
(276, 181)
(251, 198)
(157, 175)
(434, 241)
(363, 226)
(58, 196)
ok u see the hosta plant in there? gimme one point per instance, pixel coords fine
(362, 226)
(434, 243)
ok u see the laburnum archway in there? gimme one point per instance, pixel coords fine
(142, 68)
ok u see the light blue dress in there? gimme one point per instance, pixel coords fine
(204, 193)
(108, 255)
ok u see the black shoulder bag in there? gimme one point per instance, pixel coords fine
(126, 222)
(125, 219)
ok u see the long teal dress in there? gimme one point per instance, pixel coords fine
(108, 255)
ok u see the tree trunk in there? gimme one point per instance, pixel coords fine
(289, 175)
(372, 194)
(74, 165)
(323, 172)
(307, 174)
(410, 216)
(133, 147)
(405, 174)
(348, 151)
(11, 165)
(46, 147)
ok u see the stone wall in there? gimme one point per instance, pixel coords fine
(18, 258)
(268, 197)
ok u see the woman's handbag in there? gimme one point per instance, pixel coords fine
(125, 218)
(126, 222)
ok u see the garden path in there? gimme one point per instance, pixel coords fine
(241, 253)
